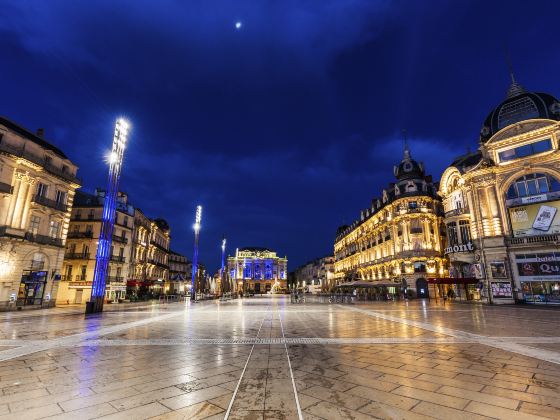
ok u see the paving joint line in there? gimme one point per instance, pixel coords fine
(291, 371)
(242, 373)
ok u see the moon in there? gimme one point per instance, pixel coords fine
(238, 25)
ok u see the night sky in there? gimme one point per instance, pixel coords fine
(282, 129)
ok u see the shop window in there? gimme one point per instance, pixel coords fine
(533, 184)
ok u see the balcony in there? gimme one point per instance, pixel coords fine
(21, 152)
(42, 239)
(6, 188)
(457, 212)
(120, 239)
(77, 256)
(537, 239)
(115, 279)
(79, 235)
(118, 259)
(47, 202)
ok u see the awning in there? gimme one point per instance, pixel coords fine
(453, 280)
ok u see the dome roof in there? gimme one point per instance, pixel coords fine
(519, 105)
(409, 168)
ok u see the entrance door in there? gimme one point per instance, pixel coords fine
(257, 287)
(78, 298)
(422, 288)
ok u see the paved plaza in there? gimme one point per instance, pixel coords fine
(264, 358)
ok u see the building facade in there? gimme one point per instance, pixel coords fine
(258, 270)
(316, 276)
(37, 186)
(81, 248)
(502, 203)
(150, 271)
(398, 241)
(180, 269)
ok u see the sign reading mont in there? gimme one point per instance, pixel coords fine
(468, 247)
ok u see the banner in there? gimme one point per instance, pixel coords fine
(535, 219)
(538, 268)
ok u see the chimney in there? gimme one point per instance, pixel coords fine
(41, 132)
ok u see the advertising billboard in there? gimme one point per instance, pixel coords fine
(538, 267)
(535, 219)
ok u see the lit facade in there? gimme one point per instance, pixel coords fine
(150, 270)
(316, 276)
(398, 238)
(81, 248)
(258, 270)
(37, 186)
(180, 270)
(502, 203)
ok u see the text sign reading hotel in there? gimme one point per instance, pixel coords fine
(468, 247)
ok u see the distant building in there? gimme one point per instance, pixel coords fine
(316, 276)
(502, 204)
(37, 185)
(258, 270)
(397, 241)
(180, 270)
(81, 248)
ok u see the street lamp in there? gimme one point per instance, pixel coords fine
(222, 271)
(103, 254)
(196, 227)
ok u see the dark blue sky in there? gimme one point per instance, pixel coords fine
(282, 130)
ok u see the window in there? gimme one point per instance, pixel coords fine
(464, 229)
(54, 229)
(78, 214)
(533, 184)
(60, 197)
(89, 228)
(125, 221)
(526, 150)
(41, 190)
(452, 234)
(91, 214)
(34, 223)
(84, 270)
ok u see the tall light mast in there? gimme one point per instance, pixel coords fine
(222, 272)
(103, 255)
(196, 226)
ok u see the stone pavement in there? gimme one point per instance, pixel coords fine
(262, 358)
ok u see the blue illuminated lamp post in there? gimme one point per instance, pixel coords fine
(196, 227)
(222, 273)
(103, 255)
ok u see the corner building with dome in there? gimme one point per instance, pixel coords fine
(502, 203)
(397, 242)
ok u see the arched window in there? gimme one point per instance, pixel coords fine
(532, 184)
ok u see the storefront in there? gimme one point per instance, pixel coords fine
(539, 276)
(32, 288)
(458, 288)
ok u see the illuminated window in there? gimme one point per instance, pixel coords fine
(54, 229)
(34, 223)
(452, 234)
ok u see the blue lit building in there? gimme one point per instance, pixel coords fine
(258, 270)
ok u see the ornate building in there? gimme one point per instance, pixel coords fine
(180, 269)
(37, 185)
(150, 256)
(81, 248)
(397, 240)
(258, 270)
(502, 203)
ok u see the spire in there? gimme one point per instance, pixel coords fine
(515, 88)
(406, 150)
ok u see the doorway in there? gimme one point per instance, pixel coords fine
(422, 288)
(79, 294)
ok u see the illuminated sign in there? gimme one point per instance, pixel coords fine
(468, 247)
(535, 219)
(538, 267)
